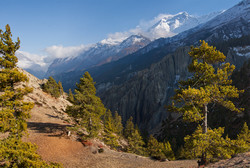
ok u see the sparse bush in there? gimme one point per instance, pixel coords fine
(53, 88)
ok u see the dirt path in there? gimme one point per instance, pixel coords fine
(46, 129)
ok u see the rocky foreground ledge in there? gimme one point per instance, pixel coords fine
(241, 160)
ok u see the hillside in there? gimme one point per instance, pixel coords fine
(47, 128)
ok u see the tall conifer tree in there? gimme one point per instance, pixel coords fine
(60, 87)
(118, 123)
(87, 108)
(129, 128)
(208, 85)
(53, 88)
(109, 129)
(13, 110)
(70, 96)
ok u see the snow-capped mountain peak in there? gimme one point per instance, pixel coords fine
(111, 41)
(134, 39)
(170, 25)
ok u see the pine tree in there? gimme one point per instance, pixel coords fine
(242, 143)
(118, 124)
(13, 110)
(135, 140)
(155, 149)
(16, 153)
(212, 142)
(60, 88)
(109, 137)
(244, 134)
(52, 87)
(167, 150)
(70, 96)
(136, 143)
(87, 108)
(207, 85)
(129, 128)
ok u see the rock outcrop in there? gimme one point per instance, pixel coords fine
(143, 96)
(44, 100)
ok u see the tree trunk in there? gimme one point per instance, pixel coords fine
(205, 119)
(204, 131)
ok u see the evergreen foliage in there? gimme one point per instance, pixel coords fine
(212, 144)
(13, 110)
(155, 148)
(135, 140)
(18, 154)
(118, 124)
(70, 96)
(87, 108)
(129, 128)
(167, 150)
(242, 143)
(136, 143)
(207, 85)
(244, 134)
(110, 138)
(51, 87)
(60, 87)
(159, 150)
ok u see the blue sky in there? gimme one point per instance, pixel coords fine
(44, 23)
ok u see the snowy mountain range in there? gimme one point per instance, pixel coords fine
(110, 49)
(113, 49)
(100, 53)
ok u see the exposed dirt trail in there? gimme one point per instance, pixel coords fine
(46, 129)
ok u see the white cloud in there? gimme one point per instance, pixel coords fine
(59, 51)
(143, 29)
(28, 60)
(42, 61)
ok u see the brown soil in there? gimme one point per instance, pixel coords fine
(48, 131)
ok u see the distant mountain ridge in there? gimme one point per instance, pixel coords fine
(98, 54)
(109, 50)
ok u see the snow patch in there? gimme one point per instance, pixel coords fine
(242, 51)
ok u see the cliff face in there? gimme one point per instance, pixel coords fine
(143, 96)
(146, 93)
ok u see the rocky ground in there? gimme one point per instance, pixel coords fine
(47, 128)
(240, 161)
